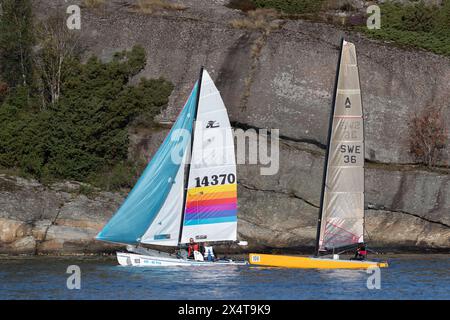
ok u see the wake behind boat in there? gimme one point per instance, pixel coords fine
(187, 191)
(341, 213)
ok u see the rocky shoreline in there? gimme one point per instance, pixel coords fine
(60, 220)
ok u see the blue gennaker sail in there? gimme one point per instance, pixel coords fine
(150, 192)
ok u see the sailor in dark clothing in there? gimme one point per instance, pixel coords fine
(361, 252)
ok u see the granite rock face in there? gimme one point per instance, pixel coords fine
(286, 84)
(56, 219)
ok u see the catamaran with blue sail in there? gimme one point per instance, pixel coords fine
(188, 189)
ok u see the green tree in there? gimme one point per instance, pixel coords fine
(84, 133)
(442, 25)
(16, 41)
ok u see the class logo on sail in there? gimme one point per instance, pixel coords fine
(212, 124)
(348, 104)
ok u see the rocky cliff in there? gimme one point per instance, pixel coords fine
(282, 79)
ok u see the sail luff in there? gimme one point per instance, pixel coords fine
(186, 181)
(327, 152)
(342, 205)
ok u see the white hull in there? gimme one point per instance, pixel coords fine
(139, 260)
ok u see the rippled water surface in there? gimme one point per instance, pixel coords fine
(408, 277)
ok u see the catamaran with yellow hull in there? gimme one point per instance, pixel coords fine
(341, 214)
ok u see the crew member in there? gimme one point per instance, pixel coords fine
(193, 246)
(361, 252)
(209, 253)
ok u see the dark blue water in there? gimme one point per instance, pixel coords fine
(408, 277)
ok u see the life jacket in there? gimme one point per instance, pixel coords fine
(362, 252)
(208, 251)
(193, 247)
(198, 256)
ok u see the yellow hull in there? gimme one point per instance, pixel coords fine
(270, 260)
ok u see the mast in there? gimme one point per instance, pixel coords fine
(325, 167)
(363, 152)
(186, 181)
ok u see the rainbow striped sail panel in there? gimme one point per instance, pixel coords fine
(213, 204)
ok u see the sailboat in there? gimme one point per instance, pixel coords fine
(341, 214)
(188, 189)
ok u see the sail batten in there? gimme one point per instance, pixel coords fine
(342, 216)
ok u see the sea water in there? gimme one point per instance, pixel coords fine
(408, 277)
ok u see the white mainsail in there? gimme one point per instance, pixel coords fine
(342, 217)
(211, 202)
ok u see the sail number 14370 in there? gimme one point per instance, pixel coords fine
(215, 180)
